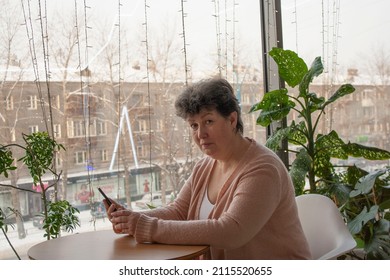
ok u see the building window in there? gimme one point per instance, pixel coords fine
(33, 128)
(32, 102)
(104, 155)
(246, 99)
(160, 125)
(58, 161)
(13, 135)
(101, 127)
(80, 157)
(58, 101)
(142, 126)
(141, 151)
(57, 131)
(9, 103)
(76, 128)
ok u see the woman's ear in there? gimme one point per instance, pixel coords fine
(233, 119)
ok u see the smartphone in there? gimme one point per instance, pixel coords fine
(105, 196)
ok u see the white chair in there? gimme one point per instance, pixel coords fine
(327, 234)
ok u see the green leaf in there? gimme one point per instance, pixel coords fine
(315, 103)
(274, 106)
(378, 248)
(40, 151)
(332, 145)
(297, 134)
(360, 220)
(326, 147)
(314, 71)
(61, 214)
(353, 174)
(299, 168)
(6, 161)
(291, 67)
(366, 183)
(323, 167)
(371, 153)
(385, 205)
(274, 141)
(342, 91)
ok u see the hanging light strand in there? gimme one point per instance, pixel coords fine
(45, 49)
(227, 20)
(119, 83)
(218, 34)
(183, 15)
(31, 40)
(186, 67)
(148, 92)
(234, 39)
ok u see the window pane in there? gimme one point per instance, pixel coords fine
(111, 91)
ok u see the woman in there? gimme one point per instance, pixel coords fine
(239, 198)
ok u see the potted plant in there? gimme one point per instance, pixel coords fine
(39, 151)
(365, 206)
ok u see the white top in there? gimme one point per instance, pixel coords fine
(205, 208)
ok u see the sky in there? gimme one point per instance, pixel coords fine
(362, 28)
(345, 33)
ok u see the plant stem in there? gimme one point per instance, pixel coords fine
(310, 144)
(10, 244)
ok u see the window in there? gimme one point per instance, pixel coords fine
(9, 103)
(246, 99)
(101, 127)
(143, 126)
(80, 157)
(58, 161)
(33, 129)
(87, 108)
(32, 102)
(57, 131)
(142, 151)
(104, 155)
(58, 101)
(76, 128)
(13, 137)
(160, 125)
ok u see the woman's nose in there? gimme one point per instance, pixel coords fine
(202, 133)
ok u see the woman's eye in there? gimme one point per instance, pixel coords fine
(209, 122)
(194, 126)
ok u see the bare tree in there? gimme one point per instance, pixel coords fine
(65, 44)
(11, 75)
(378, 65)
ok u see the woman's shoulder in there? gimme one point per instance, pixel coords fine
(257, 148)
(259, 152)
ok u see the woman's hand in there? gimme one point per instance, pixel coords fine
(111, 209)
(124, 221)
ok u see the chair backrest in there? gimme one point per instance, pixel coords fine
(327, 234)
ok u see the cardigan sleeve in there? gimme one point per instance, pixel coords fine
(240, 213)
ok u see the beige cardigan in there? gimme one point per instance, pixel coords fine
(255, 215)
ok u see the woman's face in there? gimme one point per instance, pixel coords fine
(212, 132)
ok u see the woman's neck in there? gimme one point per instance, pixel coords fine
(237, 151)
